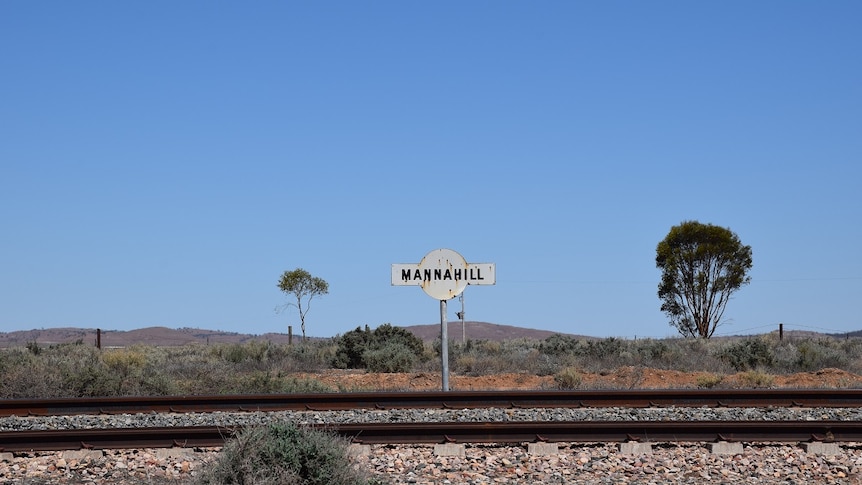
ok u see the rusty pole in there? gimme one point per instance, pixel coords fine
(461, 316)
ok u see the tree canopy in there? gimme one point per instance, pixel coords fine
(702, 266)
(304, 287)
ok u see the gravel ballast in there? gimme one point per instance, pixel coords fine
(154, 420)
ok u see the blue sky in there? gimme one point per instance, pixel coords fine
(162, 163)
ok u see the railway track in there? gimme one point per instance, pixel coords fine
(847, 398)
(447, 432)
(418, 433)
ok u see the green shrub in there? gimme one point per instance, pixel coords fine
(350, 348)
(560, 345)
(282, 453)
(820, 354)
(393, 357)
(605, 348)
(649, 350)
(748, 354)
(387, 334)
(366, 348)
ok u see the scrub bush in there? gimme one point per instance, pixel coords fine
(393, 357)
(820, 354)
(748, 354)
(561, 345)
(282, 453)
(568, 378)
(708, 381)
(756, 379)
(370, 349)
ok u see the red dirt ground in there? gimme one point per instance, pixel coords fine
(623, 378)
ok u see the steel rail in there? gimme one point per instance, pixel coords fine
(488, 432)
(605, 431)
(115, 438)
(438, 400)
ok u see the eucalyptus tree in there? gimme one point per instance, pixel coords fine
(702, 266)
(302, 286)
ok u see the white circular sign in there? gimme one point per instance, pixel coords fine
(446, 271)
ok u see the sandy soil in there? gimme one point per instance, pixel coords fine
(623, 378)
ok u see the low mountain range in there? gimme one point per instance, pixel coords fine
(163, 336)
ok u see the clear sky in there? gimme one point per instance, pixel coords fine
(162, 162)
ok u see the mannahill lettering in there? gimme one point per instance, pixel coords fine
(459, 274)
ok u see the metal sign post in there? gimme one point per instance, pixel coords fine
(443, 274)
(444, 345)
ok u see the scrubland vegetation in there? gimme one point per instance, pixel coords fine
(284, 453)
(78, 370)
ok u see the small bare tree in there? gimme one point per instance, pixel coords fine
(300, 284)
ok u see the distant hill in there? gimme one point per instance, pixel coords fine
(480, 331)
(856, 334)
(163, 336)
